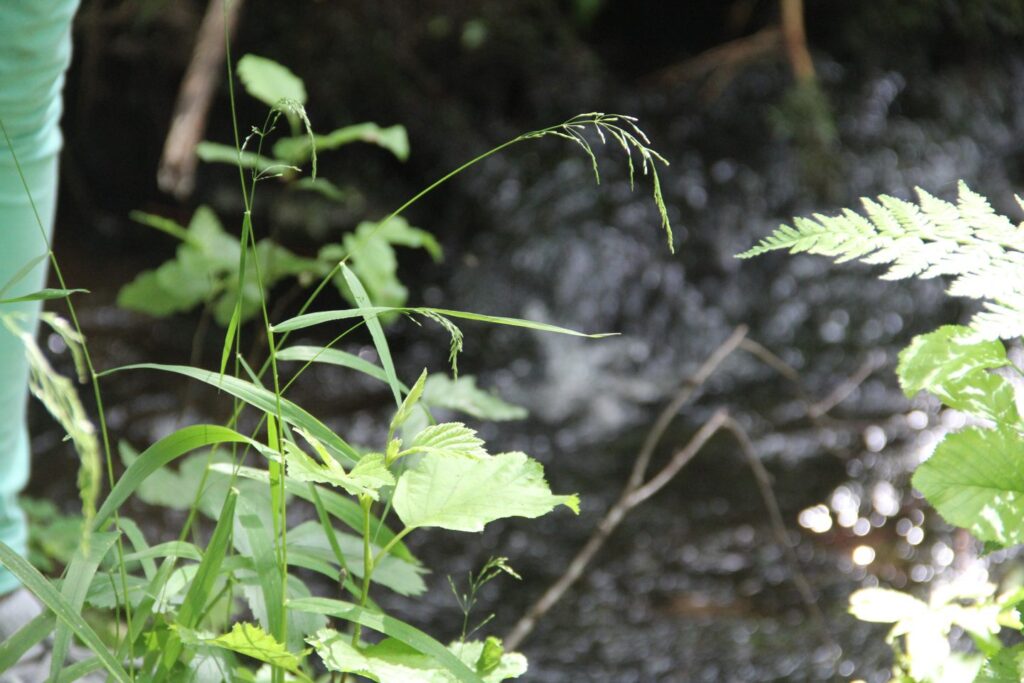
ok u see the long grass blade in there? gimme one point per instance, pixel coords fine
(320, 354)
(159, 454)
(260, 398)
(320, 317)
(380, 340)
(78, 578)
(12, 649)
(43, 295)
(35, 582)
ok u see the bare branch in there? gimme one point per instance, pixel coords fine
(177, 170)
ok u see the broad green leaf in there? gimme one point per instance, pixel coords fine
(392, 661)
(947, 364)
(176, 490)
(391, 572)
(463, 395)
(253, 537)
(343, 508)
(43, 295)
(389, 626)
(1007, 666)
(159, 454)
(35, 582)
(449, 439)
(260, 398)
(394, 139)
(411, 399)
(324, 187)
(368, 476)
(975, 480)
(252, 641)
(268, 81)
(476, 492)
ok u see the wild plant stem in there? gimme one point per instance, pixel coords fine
(93, 376)
(366, 503)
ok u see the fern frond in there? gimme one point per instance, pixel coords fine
(981, 250)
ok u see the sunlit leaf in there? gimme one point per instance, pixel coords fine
(449, 439)
(476, 492)
(975, 480)
(947, 364)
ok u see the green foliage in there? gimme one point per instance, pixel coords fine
(205, 271)
(476, 492)
(982, 250)
(974, 478)
(270, 82)
(53, 537)
(208, 604)
(921, 630)
(391, 661)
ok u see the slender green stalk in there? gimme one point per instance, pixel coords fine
(93, 376)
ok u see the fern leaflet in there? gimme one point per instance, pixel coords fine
(981, 250)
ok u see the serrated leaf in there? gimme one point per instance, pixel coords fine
(975, 480)
(1007, 666)
(391, 661)
(367, 477)
(452, 439)
(252, 641)
(950, 365)
(268, 81)
(476, 492)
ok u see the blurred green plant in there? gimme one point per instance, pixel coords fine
(205, 270)
(975, 477)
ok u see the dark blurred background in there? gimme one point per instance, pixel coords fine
(694, 586)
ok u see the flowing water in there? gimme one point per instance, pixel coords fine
(693, 586)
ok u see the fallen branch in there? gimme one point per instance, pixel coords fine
(764, 485)
(636, 490)
(176, 173)
(631, 498)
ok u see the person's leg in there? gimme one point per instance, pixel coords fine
(35, 49)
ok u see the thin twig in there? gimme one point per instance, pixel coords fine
(605, 527)
(176, 173)
(682, 397)
(636, 491)
(764, 485)
(873, 362)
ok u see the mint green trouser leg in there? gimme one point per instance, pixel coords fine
(35, 49)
